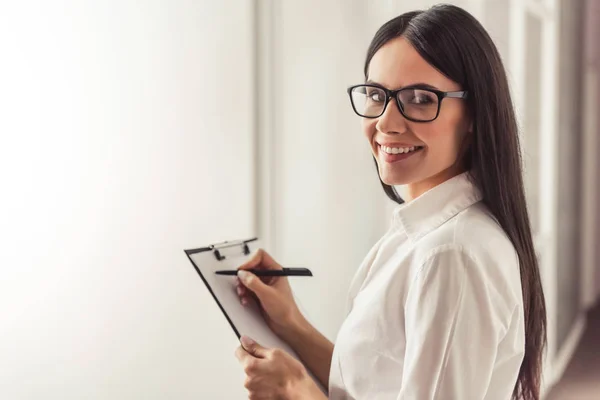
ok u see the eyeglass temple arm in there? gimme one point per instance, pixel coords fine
(457, 95)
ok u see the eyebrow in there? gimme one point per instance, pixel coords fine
(419, 84)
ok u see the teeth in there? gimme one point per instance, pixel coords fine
(398, 150)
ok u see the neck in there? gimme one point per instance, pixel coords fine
(416, 189)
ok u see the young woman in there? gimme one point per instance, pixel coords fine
(448, 304)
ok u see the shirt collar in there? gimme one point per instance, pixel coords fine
(436, 206)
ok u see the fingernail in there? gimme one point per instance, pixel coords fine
(243, 275)
(246, 341)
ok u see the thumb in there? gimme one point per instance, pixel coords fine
(253, 283)
(253, 348)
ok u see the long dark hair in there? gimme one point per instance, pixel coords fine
(454, 42)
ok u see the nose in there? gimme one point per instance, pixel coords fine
(392, 120)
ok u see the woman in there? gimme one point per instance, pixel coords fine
(448, 304)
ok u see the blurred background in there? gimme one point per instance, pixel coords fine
(133, 130)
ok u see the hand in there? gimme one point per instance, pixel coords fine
(274, 294)
(274, 374)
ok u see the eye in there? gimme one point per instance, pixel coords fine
(422, 97)
(375, 95)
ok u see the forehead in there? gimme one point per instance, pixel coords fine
(398, 64)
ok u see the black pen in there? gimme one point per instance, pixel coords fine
(270, 272)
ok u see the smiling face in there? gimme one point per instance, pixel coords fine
(418, 154)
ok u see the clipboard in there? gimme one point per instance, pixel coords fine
(243, 319)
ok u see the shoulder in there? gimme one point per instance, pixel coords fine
(474, 244)
(474, 230)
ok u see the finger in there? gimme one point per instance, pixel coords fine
(246, 295)
(270, 280)
(261, 260)
(239, 287)
(254, 284)
(246, 358)
(254, 348)
(241, 290)
(245, 300)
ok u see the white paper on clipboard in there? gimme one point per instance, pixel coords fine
(244, 319)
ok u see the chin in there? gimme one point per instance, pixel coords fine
(396, 174)
(395, 179)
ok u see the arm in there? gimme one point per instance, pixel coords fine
(314, 349)
(452, 329)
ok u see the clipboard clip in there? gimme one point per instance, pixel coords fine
(218, 246)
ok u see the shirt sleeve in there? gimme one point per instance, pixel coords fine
(451, 330)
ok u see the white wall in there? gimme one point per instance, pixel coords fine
(126, 137)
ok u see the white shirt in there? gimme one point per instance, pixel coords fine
(436, 308)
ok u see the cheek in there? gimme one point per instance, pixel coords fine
(368, 127)
(442, 139)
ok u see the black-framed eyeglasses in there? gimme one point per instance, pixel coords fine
(417, 103)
